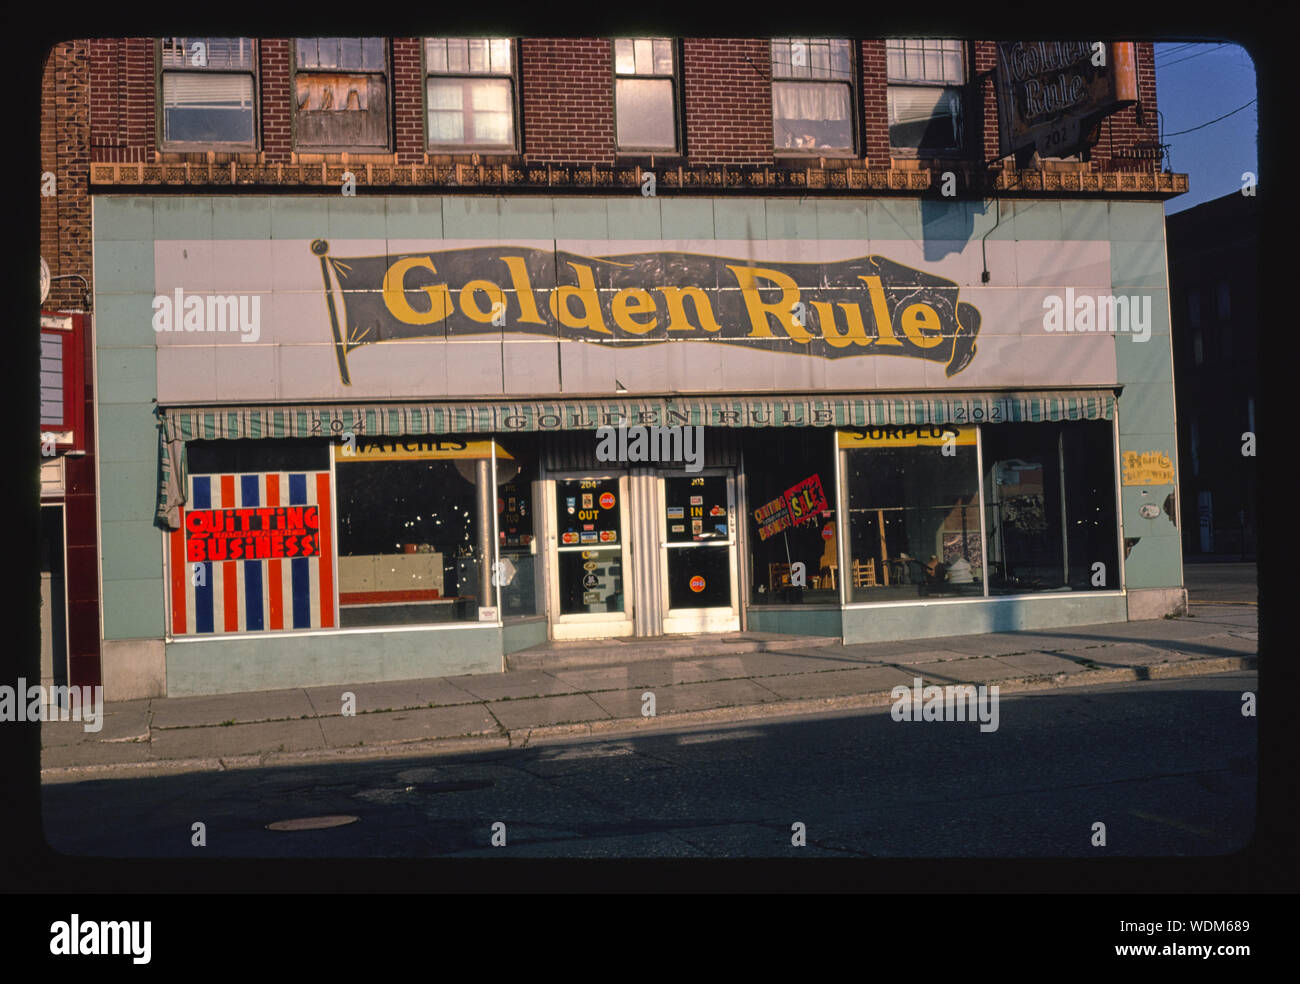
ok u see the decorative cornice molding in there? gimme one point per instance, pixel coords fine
(604, 177)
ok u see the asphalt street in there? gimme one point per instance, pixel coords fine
(1223, 583)
(1168, 766)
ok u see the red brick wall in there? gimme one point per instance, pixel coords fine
(65, 152)
(986, 60)
(408, 100)
(727, 84)
(1120, 131)
(875, 106)
(122, 99)
(273, 80)
(568, 100)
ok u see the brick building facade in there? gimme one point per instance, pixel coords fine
(561, 166)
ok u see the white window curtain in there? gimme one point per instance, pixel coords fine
(810, 101)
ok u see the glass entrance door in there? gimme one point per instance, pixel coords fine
(698, 536)
(589, 597)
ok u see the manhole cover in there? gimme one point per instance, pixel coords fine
(312, 823)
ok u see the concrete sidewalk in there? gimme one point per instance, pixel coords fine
(513, 709)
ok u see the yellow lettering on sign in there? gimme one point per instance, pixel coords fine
(623, 310)
(880, 310)
(472, 310)
(528, 313)
(394, 291)
(918, 318)
(856, 334)
(782, 310)
(585, 292)
(675, 297)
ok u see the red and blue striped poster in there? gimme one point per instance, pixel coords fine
(254, 553)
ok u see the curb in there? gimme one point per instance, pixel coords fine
(548, 734)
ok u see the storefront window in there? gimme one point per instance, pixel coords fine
(1049, 492)
(790, 487)
(913, 504)
(518, 574)
(410, 539)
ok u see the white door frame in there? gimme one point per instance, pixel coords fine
(588, 625)
(683, 620)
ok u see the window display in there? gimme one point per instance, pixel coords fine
(409, 543)
(913, 503)
(518, 573)
(1049, 499)
(790, 486)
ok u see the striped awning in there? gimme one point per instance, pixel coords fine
(181, 424)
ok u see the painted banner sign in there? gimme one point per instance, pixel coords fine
(870, 305)
(253, 553)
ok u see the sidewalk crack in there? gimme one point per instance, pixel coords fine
(325, 742)
(501, 728)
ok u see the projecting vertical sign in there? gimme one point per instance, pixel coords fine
(1050, 93)
(253, 553)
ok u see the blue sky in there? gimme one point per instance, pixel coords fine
(1197, 82)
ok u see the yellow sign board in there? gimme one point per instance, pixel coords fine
(423, 448)
(906, 436)
(1147, 468)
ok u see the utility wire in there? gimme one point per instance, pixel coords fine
(1179, 61)
(1170, 52)
(1177, 133)
(1177, 48)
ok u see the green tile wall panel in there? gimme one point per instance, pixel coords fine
(887, 623)
(134, 609)
(247, 663)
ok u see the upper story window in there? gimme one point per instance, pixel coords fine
(812, 95)
(341, 93)
(208, 93)
(645, 94)
(927, 92)
(1194, 307)
(470, 93)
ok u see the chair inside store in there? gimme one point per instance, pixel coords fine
(864, 574)
(829, 565)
